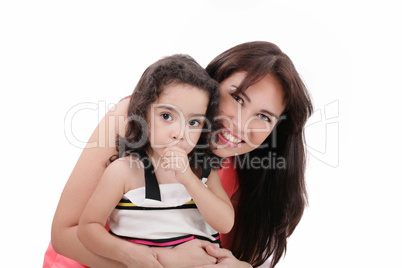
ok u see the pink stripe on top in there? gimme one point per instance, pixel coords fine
(165, 244)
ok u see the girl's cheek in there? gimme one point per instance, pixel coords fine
(193, 138)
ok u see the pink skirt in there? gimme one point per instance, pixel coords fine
(55, 260)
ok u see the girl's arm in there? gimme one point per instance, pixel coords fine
(212, 202)
(117, 179)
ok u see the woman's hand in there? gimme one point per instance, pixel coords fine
(142, 256)
(189, 254)
(224, 258)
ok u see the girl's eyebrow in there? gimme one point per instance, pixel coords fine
(173, 109)
(263, 110)
(167, 107)
(198, 115)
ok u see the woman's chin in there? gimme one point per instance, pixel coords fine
(225, 151)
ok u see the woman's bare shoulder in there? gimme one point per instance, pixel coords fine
(121, 107)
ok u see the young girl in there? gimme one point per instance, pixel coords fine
(160, 199)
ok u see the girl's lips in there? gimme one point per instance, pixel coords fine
(226, 136)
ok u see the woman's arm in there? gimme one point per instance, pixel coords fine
(117, 179)
(80, 186)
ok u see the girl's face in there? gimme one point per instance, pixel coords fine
(248, 118)
(177, 118)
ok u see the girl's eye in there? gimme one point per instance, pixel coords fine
(167, 117)
(238, 98)
(194, 123)
(264, 117)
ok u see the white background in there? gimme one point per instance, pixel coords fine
(55, 55)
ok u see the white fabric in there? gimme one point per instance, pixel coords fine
(160, 224)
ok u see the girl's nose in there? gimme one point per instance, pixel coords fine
(178, 133)
(178, 137)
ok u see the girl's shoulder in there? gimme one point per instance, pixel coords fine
(129, 169)
(129, 163)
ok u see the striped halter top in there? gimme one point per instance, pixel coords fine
(160, 215)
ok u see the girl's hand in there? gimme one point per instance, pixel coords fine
(224, 258)
(176, 159)
(189, 254)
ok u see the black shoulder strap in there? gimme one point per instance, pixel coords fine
(151, 183)
(206, 168)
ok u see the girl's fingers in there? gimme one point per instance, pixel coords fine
(174, 150)
(175, 158)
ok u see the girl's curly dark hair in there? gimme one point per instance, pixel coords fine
(175, 69)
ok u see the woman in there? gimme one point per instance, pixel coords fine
(264, 106)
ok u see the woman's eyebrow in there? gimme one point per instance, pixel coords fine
(263, 110)
(270, 113)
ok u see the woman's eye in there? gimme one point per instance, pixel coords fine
(194, 123)
(238, 99)
(264, 117)
(167, 117)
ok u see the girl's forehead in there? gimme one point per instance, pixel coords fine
(184, 97)
(180, 88)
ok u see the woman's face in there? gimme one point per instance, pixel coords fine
(248, 118)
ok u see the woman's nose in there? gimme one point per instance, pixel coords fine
(238, 121)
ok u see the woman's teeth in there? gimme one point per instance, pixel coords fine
(229, 137)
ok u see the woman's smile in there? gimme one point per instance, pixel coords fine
(229, 138)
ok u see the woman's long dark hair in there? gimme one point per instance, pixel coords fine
(272, 198)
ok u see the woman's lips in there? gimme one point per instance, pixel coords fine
(229, 138)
